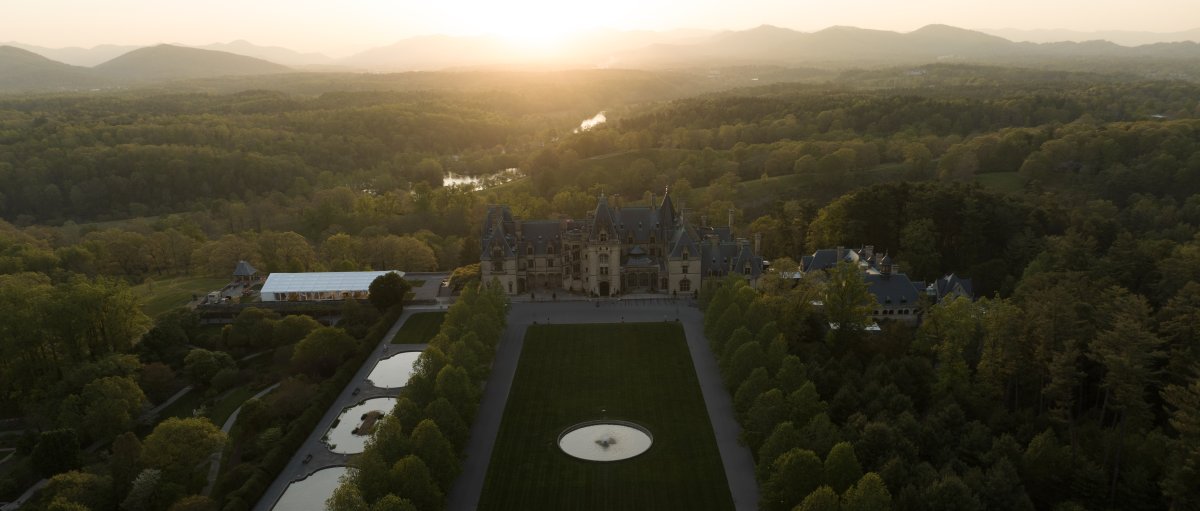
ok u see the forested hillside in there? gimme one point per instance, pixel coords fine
(1071, 199)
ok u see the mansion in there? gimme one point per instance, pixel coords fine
(615, 250)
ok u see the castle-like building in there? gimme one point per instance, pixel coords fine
(615, 250)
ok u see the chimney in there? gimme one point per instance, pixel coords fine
(758, 243)
(517, 227)
(653, 200)
(895, 269)
(870, 252)
(840, 251)
(616, 199)
(731, 210)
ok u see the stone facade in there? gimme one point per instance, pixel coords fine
(616, 250)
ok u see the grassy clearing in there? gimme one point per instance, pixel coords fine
(636, 372)
(223, 408)
(1008, 182)
(159, 296)
(419, 328)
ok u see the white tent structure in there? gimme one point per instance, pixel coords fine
(315, 286)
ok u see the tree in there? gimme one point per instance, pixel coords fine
(388, 290)
(769, 408)
(158, 381)
(322, 351)
(125, 461)
(782, 439)
(111, 405)
(393, 503)
(417, 484)
(821, 499)
(842, 469)
(847, 303)
(177, 446)
(437, 453)
(455, 385)
(151, 491)
(346, 498)
(82, 488)
(794, 475)
(1184, 469)
(56, 451)
(202, 365)
(194, 503)
(869, 494)
(291, 329)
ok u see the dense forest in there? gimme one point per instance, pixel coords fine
(1071, 199)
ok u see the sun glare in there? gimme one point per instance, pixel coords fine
(535, 24)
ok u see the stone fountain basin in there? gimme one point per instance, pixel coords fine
(605, 440)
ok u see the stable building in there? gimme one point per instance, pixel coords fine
(616, 250)
(320, 286)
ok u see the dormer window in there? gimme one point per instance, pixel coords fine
(603, 236)
(685, 254)
(529, 250)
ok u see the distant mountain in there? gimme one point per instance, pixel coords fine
(855, 46)
(76, 56)
(23, 70)
(276, 54)
(599, 48)
(167, 62)
(1121, 37)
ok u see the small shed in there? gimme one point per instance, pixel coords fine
(244, 272)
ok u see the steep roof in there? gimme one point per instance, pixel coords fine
(953, 284)
(892, 290)
(602, 219)
(244, 270)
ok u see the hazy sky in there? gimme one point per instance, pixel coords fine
(342, 27)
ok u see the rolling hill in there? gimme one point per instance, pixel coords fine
(22, 70)
(167, 62)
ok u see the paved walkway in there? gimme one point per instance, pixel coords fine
(738, 463)
(297, 468)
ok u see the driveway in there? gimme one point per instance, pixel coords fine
(736, 458)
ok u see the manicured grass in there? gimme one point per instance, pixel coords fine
(636, 372)
(1010, 182)
(419, 328)
(159, 296)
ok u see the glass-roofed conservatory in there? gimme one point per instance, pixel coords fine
(314, 286)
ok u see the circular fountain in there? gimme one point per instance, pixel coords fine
(394, 371)
(605, 440)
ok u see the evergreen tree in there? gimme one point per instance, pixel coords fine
(821, 499)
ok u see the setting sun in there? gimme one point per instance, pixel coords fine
(534, 23)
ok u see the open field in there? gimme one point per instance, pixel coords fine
(159, 296)
(419, 328)
(636, 372)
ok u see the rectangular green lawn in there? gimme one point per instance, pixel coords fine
(419, 328)
(635, 372)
